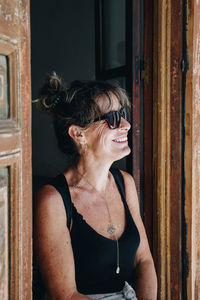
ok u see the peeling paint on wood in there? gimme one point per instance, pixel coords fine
(175, 76)
(12, 15)
(196, 148)
(4, 237)
(15, 43)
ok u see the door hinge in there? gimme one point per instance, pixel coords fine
(183, 65)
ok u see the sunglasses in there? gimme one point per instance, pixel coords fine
(113, 118)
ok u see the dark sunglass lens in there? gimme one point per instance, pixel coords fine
(124, 113)
(113, 119)
(118, 118)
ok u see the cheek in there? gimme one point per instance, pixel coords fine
(102, 136)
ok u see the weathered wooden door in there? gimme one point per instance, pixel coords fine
(15, 153)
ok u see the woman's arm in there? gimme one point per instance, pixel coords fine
(146, 280)
(52, 245)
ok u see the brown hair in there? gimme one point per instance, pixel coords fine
(75, 104)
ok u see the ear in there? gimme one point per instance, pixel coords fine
(77, 134)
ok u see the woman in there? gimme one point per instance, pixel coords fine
(89, 236)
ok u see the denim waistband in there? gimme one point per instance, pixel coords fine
(127, 293)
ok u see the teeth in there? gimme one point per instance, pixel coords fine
(121, 139)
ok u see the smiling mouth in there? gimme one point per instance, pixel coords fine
(121, 140)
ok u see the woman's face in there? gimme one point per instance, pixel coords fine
(103, 142)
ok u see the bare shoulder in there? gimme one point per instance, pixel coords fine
(49, 206)
(48, 197)
(47, 193)
(52, 244)
(128, 179)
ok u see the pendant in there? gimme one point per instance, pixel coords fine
(111, 229)
(118, 270)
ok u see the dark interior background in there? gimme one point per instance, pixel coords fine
(62, 40)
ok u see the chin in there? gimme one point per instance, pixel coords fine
(124, 152)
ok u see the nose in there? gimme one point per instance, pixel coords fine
(124, 124)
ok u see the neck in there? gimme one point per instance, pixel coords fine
(95, 172)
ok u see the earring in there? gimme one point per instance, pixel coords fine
(84, 148)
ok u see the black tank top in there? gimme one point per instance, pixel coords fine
(95, 256)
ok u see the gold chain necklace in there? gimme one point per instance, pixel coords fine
(111, 229)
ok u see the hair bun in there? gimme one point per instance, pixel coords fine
(51, 94)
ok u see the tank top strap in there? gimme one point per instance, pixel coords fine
(61, 185)
(119, 179)
(120, 182)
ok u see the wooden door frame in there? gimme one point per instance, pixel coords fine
(15, 145)
(176, 159)
(26, 171)
(192, 151)
(147, 76)
(167, 148)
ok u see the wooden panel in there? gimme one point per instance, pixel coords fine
(136, 59)
(148, 119)
(192, 151)
(13, 218)
(189, 150)
(11, 14)
(4, 228)
(10, 143)
(26, 209)
(15, 137)
(161, 152)
(176, 151)
(11, 52)
(168, 147)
